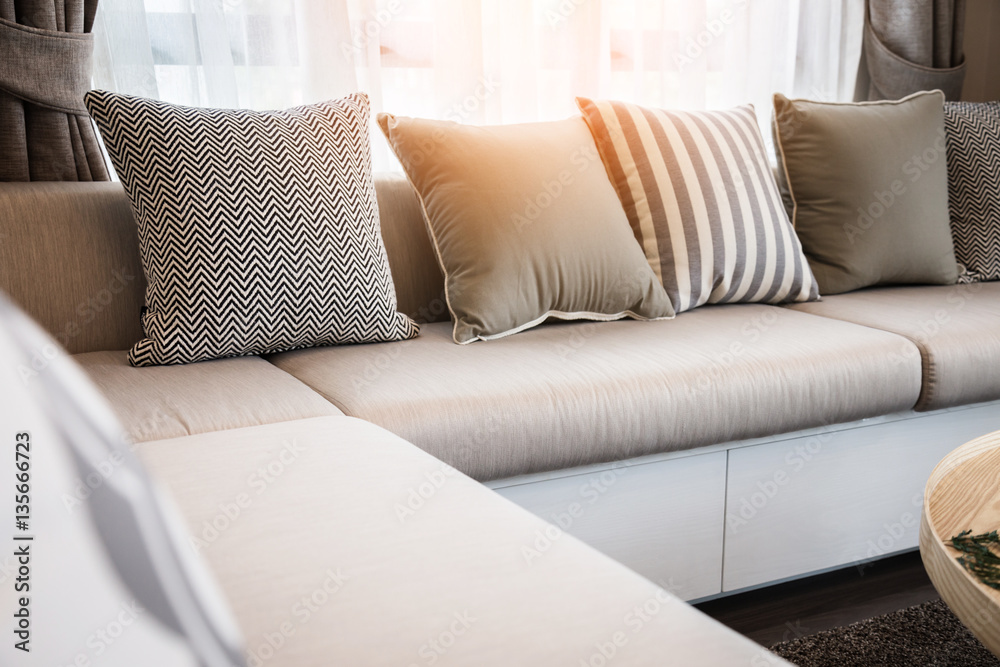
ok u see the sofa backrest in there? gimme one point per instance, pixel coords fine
(415, 270)
(69, 256)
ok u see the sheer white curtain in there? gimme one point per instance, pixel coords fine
(479, 61)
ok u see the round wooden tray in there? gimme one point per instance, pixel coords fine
(963, 493)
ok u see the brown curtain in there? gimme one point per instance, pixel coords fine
(45, 59)
(911, 45)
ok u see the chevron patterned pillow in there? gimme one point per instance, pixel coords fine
(973, 133)
(259, 231)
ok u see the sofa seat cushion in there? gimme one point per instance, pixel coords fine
(159, 402)
(955, 328)
(320, 560)
(571, 394)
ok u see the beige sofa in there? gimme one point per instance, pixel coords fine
(729, 448)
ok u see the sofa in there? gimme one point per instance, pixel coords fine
(730, 448)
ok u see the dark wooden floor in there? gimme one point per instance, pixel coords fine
(804, 607)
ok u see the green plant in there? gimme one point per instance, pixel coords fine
(978, 557)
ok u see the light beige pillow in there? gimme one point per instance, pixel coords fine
(525, 224)
(869, 185)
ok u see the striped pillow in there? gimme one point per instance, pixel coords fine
(702, 201)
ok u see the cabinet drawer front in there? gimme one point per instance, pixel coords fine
(835, 499)
(662, 519)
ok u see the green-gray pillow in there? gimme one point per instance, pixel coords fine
(526, 225)
(869, 185)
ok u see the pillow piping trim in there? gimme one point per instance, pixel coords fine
(919, 93)
(560, 314)
(578, 315)
(784, 164)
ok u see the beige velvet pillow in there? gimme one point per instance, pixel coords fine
(869, 185)
(525, 224)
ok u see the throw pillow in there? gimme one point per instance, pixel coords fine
(525, 225)
(973, 132)
(702, 200)
(259, 231)
(869, 183)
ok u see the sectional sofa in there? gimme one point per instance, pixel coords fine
(732, 447)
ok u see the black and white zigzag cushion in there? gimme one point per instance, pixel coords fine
(259, 231)
(973, 134)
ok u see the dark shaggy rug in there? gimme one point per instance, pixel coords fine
(925, 635)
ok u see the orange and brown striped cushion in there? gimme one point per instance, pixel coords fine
(701, 198)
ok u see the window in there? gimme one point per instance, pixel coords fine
(479, 61)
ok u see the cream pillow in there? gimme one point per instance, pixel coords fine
(525, 224)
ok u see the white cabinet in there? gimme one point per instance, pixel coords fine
(750, 513)
(836, 498)
(662, 519)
